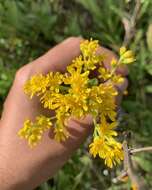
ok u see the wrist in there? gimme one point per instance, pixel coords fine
(10, 177)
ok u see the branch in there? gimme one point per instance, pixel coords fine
(129, 168)
(122, 177)
(144, 149)
(130, 24)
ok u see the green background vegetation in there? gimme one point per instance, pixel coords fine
(28, 28)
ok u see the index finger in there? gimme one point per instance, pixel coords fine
(58, 57)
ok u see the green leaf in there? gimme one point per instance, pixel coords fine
(93, 82)
(149, 69)
(144, 163)
(45, 186)
(149, 37)
(148, 89)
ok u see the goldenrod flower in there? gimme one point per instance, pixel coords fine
(105, 129)
(89, 54)
(61, 134)
(122, 50)
(134, 187)
(109, 150)
(52, 100)
(78, 93)
(96, 146)
(33, 131)
(104, 73)
(126, 56)
(117, 79)
(105, 145)
(89, 48)
(108, 106)
(38, 84)
(114, 62)
(114, 155)
(76, 80)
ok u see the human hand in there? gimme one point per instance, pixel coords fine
(20, 166)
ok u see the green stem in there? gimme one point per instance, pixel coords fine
(95, 133)
(114, 68)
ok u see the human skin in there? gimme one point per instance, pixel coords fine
(23, 168)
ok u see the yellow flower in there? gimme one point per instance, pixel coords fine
(55, 79)
(96, 146)
(134, 187)
(104, 73)
(117, 79)
(122, 50)
(105, 129)
(101, 101)
(114, 155)
(77, 80)
(105, 145)
(110, 151)
(77, 63)
(77, 97)
(38, 84)
(33, 131)
(89, 54)
(35, 85)
(126, 56)
(43, 121)
(61, 134)
(52, 100)
(89, 47)
(77, 93)
(114, 62)
(108, 106)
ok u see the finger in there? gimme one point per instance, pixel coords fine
(59, 57)
(122, 70)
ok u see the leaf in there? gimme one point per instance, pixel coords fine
(45, 186)
(149, 68)
(144, 163)
(92, 6)
(148, 89)
(86, 161)
(149, 37)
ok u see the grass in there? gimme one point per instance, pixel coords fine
(29, 28)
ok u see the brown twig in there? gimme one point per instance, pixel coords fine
(130, 23)
(129, 171)
(143, 149)
(121, 177)
(129, 168)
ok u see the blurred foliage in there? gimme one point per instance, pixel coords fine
(28, 28)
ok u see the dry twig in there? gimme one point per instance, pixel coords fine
(143, 149)
(130, 23)
(129, 168)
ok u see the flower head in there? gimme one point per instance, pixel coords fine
(106, 130)
(126, 56)
(39, 84)
(86, 88)
(33, 131)
(109, 150)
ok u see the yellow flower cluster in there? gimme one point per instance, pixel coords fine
(78, 93)
(33, 131)
(105, 145)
